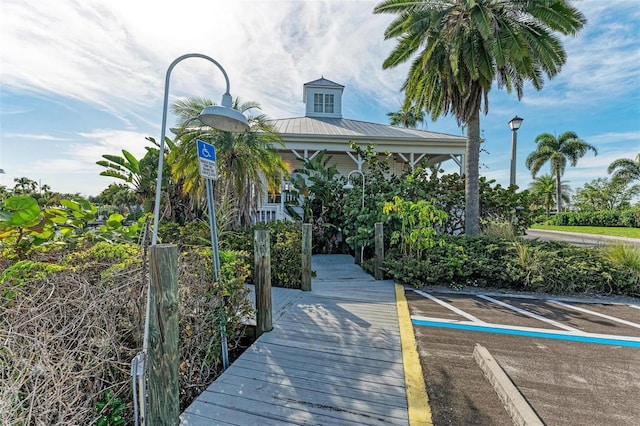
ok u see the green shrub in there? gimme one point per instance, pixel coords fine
(189, 234)
(624, 255)
(520, 265)
(286, 250)
(605, 218)
(499, 230)
(456, 261)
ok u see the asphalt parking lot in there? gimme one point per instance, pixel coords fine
(576, 361)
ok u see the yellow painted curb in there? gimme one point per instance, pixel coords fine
(417, 399)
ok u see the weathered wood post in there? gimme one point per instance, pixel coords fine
(357, 254)
(262, 278)
(163, 336)
(379, 242)
(306, 257)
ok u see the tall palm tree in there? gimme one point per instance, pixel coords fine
(248, 164)
(625, 169)
(567, 147)
(543, 189)
(462, 47)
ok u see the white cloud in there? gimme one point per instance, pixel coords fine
(118, 52)
(72, 165)
(107, 141)
(40, 137)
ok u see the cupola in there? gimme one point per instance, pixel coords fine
(323, 98)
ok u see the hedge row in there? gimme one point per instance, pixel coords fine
(525, 265)
(608, 218)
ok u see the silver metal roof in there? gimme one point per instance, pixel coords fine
(342, 127)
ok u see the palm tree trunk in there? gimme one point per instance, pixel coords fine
(558, 192)
(472, 172)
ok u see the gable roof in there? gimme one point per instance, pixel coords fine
(323, 82)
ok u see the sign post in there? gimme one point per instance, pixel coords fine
(209, 170)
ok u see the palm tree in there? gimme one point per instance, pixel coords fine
(24, 185)
(568, 147)
(463, 47)
(408, 117)
(4, 192)
(625, 169)
(543, 189)
(119, 195)
(247, 162)
(141, 174)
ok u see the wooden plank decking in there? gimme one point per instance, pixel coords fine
(333, 358)
(281, 299)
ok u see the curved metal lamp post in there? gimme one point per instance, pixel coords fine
(223, 118)
(514, 125)
(348, 185)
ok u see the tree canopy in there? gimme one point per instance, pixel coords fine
(462, 47)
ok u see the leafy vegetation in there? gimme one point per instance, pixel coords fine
(518, 265)
(286, 250)
(512, 43)
(557, 151)
(25, 226)
(604, 194)
(321, 186)
(248, 164)
(604, 218)
(625, 169)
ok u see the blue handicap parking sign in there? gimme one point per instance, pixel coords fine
(207, 160)
(206, 151)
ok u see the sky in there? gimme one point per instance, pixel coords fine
(83, 78)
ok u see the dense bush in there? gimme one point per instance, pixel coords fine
(320, 185)
(71, 327)
(519, 265)
(286, 250)
(608, 218)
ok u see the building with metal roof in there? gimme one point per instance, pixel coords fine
(323, 128)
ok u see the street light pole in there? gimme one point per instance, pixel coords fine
(350, 186)
(224, 118)
(220, 117)
(514, 125)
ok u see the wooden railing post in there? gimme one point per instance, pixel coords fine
(379, 241)
(163, 336)
(262, 278)
(357, 254)
(306, 257)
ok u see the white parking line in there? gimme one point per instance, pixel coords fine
(598, 314)
(635, 306)
(448, 306)
(529, 314)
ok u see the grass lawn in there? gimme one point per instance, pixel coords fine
(617, 232)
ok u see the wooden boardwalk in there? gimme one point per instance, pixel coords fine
(333, 358)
